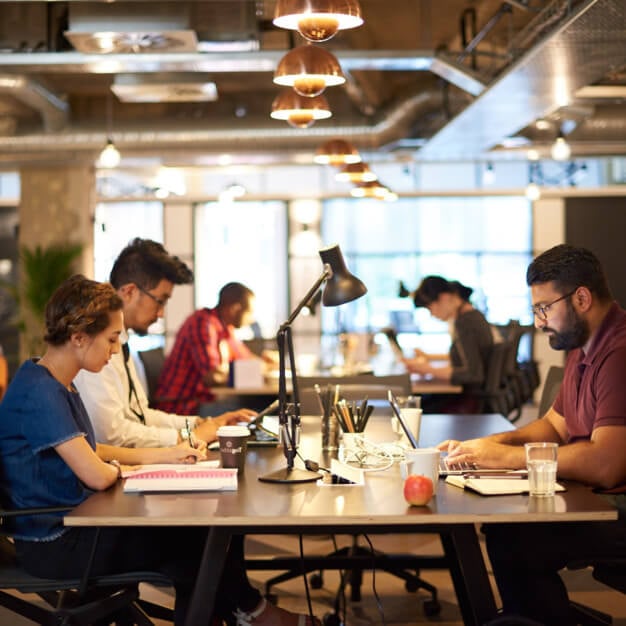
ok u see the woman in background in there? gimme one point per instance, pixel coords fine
(471, 342)
(49, 457)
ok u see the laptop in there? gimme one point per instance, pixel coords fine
(264, 427)
(455, 469)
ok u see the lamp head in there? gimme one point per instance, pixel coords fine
(341, 286)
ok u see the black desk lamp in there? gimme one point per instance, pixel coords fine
(341, 287)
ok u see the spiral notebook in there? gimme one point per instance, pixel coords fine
(182, 478)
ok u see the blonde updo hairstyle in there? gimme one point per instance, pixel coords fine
(79, 305)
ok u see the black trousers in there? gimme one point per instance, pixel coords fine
(175, 552)
(526, 559)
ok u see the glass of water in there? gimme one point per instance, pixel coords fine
(541, 460)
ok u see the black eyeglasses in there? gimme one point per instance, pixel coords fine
(541, 310)
(160, 301)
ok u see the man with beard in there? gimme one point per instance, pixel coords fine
(143, 275)
(572, 304)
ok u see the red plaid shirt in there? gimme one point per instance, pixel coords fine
(202, 344)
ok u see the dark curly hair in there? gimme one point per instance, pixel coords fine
(569, 267)
(146, 263)
(79, 305)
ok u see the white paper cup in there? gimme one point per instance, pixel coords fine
(233, 442)
(541, 462)
(423, 462)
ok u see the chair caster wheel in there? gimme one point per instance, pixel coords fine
(316, 581)
(411, 586)
(332, 619)
(431, 608)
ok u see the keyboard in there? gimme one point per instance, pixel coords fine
(454, 468)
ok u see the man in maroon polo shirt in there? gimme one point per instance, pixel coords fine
(572, 304)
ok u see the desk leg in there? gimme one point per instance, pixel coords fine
(209, 576)
(469, 574)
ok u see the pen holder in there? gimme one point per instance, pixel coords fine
(330, 432)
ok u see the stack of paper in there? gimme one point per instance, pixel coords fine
(182, 478)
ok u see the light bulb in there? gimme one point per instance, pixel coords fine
(561, 150)
(110, 156)
(533, 192)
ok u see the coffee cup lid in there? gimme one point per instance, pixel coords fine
(233, 431)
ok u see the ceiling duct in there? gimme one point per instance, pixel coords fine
(177, 87)
(125, 27)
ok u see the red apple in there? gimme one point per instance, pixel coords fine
(418, 490)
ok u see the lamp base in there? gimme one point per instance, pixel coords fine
(292, 475)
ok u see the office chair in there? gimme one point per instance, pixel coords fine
(84, 601)
(493, 395)
(152, 361)
(354, 558)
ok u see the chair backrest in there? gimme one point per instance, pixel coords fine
(351, 388)
(495, 367)
(551, 387)
(152, 361)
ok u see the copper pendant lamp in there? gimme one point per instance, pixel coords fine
(298, 111)
(371, 189)
(336, 152)
(317, 20)
(356, 173)
(309, 70)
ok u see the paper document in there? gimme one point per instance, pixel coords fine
(153, 467)
(500, 486)
(182, 478)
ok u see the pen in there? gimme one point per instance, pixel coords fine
(189, 436)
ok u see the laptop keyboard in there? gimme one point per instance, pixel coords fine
(454, 468)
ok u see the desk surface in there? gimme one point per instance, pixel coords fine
(258, 505)
(418, 386)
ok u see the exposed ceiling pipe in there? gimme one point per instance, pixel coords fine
(392, 125)
(53, 109)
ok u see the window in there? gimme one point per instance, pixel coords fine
(484, 242)
(244, 242)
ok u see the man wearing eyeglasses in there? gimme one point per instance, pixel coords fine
(572, 304)
(144, 275)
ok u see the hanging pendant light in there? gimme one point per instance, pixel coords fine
(560, 150)
(371, 189)
(356, 173)
(110, 156)
(298, 111)
(309, 70)
(336, 152)
(317, 20)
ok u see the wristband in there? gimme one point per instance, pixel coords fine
(116, 463)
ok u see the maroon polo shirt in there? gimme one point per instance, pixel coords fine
(593, 392)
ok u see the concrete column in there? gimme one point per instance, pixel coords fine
(56, 206)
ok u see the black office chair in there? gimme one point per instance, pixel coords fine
(152, 361)
(355, 558)
(493, 395)
(84, 601)
(551, 387)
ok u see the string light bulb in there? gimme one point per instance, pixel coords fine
(560, 150)
(110, 156)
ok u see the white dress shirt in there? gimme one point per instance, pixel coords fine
(106, 398)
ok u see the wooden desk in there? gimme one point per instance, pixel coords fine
(377, 507)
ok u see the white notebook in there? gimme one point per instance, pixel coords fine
(494, 486)
(182, 478)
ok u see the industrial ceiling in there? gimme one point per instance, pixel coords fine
(434, 79)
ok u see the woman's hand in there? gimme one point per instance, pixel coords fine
(184, 453)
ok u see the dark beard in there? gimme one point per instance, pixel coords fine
(574, 336)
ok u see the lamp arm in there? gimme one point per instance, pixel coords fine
(326, 274)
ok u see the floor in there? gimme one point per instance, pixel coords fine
(385, 600)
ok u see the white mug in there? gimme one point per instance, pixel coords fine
(422, 461)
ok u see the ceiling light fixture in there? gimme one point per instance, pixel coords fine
(298, 111)
(371, 189)
(356, 173)
(110, 156)
(560, 150)
(336, 152)
(317, 20)
(309, 70)
(533, 192)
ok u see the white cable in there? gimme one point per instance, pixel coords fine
(364, 453)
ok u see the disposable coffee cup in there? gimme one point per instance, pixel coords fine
(233, 442)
